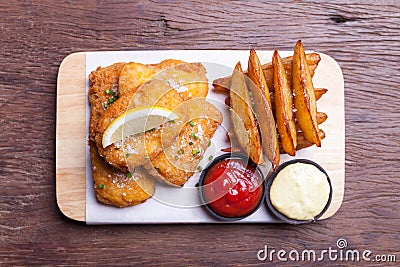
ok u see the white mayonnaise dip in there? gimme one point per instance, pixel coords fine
(300, 191)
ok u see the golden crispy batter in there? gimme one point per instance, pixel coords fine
(136, 150)
(111, 186)
(101, 80)
(189, 79)
(176, 163)
(116, 188)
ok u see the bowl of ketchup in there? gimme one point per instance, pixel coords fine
(232, 187)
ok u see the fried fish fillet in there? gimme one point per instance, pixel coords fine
(101, 80)
(177, 163)
(112, 186)
(189, 79)
(137, 149)
(116, 188)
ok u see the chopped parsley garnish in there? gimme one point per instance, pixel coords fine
(176, 157)
(210, 157)
(100, 186)
(181, 151)
(127, 155)
(190, 143)
(194, 136)
(146, 157)
(105, 106)
(129, 174)
(112, 99)
(109, 92)
(195, 152)
(209, 143)
(191, 123)
(117, 148)
(199, 168)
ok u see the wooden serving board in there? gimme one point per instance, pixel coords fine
(71, 130)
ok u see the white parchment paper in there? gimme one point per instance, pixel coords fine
(164, 206)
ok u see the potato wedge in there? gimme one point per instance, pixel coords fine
(313, 59)
(304, 96)
(283, 107)
(262, 102)
(302, 142)
(244, 123)
(319, 92)
(321, 118)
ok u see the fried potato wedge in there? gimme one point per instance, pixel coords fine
(283, 106)
(244, 123)
(312, 59)
(321, 118)
(262, 102)
(302, 142)
(304, 96)
(319, 92)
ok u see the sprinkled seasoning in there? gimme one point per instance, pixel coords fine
(209, 143)
(129, 174)
(210, 157)
(199, 168)
(191, 123)
(100, 186)
(181, 151)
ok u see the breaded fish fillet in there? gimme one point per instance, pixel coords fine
(177, 163)
(137, 149)
(101, 80)
(116, 188)
(112, 186)
(189, 79)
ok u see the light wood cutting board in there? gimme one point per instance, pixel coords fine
(71, 133)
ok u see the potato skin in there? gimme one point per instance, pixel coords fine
(304, 96)
(244, 123)
(283, 106)
(223, 84)
(263, 108)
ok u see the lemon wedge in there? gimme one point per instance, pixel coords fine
(136, 120)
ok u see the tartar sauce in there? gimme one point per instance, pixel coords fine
(300, 191)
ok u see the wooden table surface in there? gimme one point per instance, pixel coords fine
(363, 37)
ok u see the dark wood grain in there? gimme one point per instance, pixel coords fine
(363, 37)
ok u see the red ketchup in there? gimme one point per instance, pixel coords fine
(232, 188)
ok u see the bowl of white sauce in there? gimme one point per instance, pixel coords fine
(299, 191)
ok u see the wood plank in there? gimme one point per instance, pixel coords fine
(71, 137)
